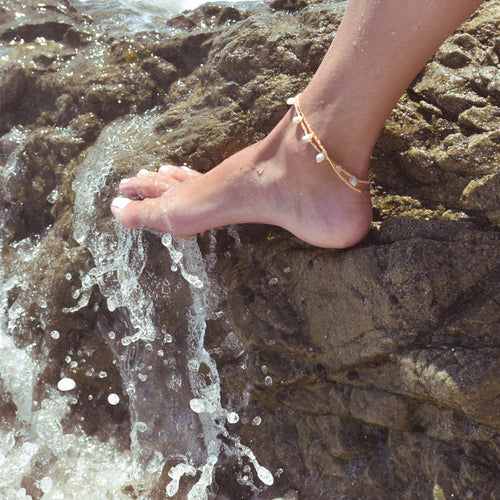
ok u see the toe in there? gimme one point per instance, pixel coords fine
(180, 174)
(153, 184)
(148, 213)
(150, 186)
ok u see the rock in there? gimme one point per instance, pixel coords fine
(378, 379)
(290, 5)
(451, 119)
(483, 195)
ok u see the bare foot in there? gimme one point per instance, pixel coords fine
(275, 181)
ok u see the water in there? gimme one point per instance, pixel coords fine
(153, 323)
(139, 15)
(112, 392)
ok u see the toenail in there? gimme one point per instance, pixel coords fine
(143, 171)
(120, 202)
(124, 181)
(165, 168)
(185, 167)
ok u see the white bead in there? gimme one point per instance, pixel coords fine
(291, 101)
(320, 157)
(307, 138)
(297, 119)
(339, 168)
(353, 180)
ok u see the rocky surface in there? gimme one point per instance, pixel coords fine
(372, 372)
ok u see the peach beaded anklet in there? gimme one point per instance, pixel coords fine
(358, 185)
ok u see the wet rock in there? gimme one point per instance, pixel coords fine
(451, 115)
(483, 195)
(481, 119)
(7, 408)
(290, 5)
(379, 379)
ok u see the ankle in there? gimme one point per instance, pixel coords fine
(348, 141)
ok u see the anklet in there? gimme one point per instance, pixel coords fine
(358, 185)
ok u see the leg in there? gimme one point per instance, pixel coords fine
(378, 50)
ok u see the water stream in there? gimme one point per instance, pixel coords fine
(170, 383)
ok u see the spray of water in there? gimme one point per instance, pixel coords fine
(120, 263)
(183, 428)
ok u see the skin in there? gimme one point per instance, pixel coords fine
(378, 50)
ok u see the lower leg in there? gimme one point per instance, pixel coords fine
(378, 50)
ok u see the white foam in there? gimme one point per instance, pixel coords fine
(172, 6)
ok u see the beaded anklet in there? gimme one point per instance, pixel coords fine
(358, 185)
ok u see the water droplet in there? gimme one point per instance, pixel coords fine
(141, 426)
(43, 304)
(202, 406)
(256, 421)
(54, 334)
(111, 334)
(273, 281)
(68, 276)
(232, 417)
(79, 237)
(66, 384)
(103, 374)
(197, 405)
(46, 484)
(113, 399)
(264, 475)
(30, 448)
(53, 196)
(268, 381)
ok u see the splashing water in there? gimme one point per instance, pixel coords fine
(140, 15)
(159, 348)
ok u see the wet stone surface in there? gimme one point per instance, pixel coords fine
(371, 372)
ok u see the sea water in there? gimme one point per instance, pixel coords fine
(40, 455)
(176, 414)
(140, 15)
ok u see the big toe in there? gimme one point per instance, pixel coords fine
(148, 213)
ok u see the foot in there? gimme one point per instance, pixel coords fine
(275, 181)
